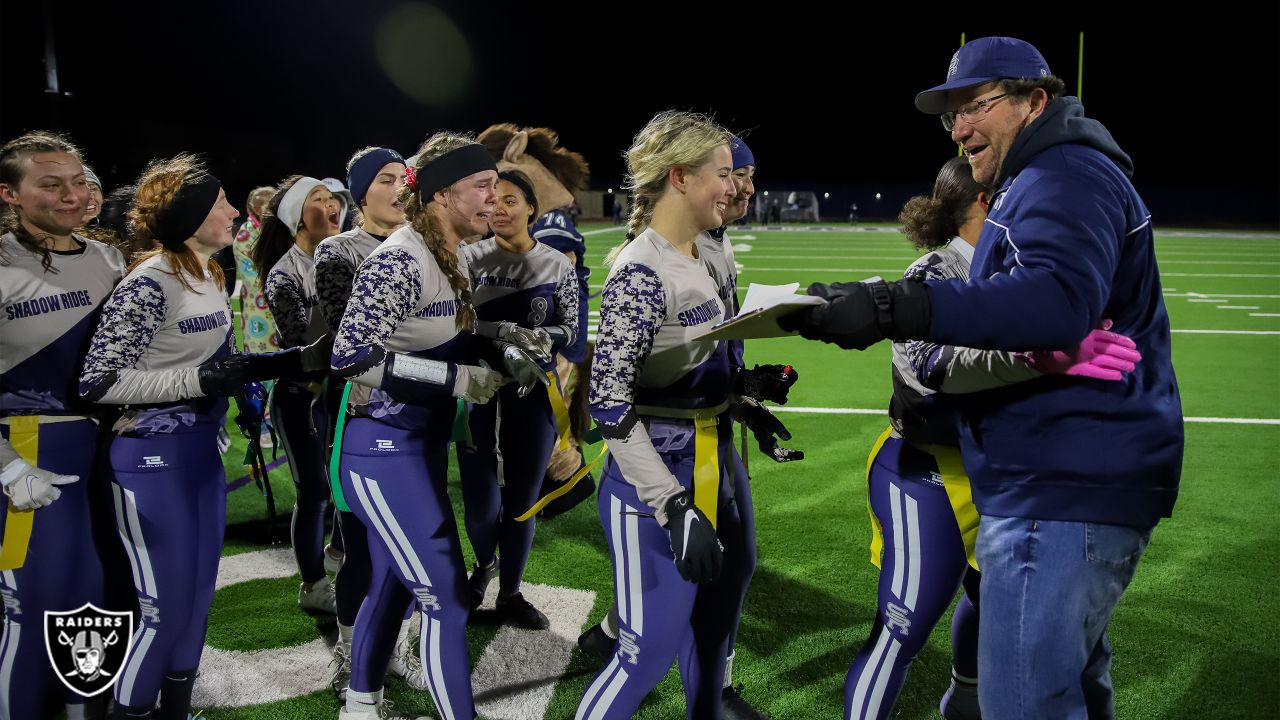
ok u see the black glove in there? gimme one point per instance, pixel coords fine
(766, 382)
(767, 428)
(859, 315)
(697, 550)
(227, 376)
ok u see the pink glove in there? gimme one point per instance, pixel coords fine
(1101, 355)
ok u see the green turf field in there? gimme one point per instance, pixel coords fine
(1196, 636)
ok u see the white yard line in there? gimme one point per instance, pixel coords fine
(882, 411)
(1237, 307)
(1228, 332)
(1264, 314)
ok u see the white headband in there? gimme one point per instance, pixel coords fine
(290, 210)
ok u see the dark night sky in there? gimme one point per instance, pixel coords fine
(273, 87)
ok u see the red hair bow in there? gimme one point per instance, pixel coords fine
(410, 178)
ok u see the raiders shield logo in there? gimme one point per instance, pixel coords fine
(87, 646)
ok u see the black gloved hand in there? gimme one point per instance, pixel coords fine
(768, 429)
(861, 314)
(227, 376)
(766, 382)
(698, 552)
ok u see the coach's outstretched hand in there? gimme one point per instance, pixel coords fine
(697, 550)
(860, 314)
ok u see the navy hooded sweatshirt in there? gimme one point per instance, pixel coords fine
(1068, 243)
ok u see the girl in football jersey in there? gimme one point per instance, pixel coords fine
(661, 400)
(523, 288)
(375, 176)
(164, 351)
(52, 284)
(302, 213)
(923, 518)
(405, 344)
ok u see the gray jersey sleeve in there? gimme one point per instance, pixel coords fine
(566, 312)
(632, 308)
(128, 324)
(288, 306)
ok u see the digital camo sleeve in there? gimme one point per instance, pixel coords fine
(288, 307)
(566, 314)
(387, 288)
(130, 319)
(632, 308)
(957, 370)
(334, 275)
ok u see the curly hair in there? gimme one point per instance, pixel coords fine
(930, 221)
(156, 190)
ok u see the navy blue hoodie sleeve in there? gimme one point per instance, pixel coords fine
(1045, 279)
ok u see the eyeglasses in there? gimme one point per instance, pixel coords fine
(970, 113)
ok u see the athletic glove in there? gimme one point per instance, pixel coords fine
(697, 550)
(249, 418)
(535, 341)
(767, 428)
(1101, 355)
(29, 487)
(476, 384)
(226, 377)
(527, 373)
(765, 382)
(861, 314)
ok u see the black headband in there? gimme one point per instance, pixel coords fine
(451, 167)
(186, 213)
(525, 188)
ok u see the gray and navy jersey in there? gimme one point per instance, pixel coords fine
(153, 335)
(922, 370)
(401, 302)
(291, 294)
(556, 229)
(646, 363)
(46, 319)
(534, 289)
(336, 259)
(717, 253)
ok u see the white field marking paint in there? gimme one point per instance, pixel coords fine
(1202, 300)
(881, 271)
(616, 228)
(1237, 307)
(867, 411)
(1225, 295)
(1207, 261)
(517, 674)
(1223, 234)
(1264, 314)
(1219, 275)
(1228, 332)
(233, 678)
(516, 682)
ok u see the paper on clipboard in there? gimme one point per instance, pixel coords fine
(761, 308)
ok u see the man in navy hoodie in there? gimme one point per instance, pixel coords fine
(1070, 474)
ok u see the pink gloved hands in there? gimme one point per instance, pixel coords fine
(1102, 355)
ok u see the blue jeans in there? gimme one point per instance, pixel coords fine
(1048, 591)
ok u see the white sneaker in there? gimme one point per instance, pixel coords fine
(382, 711)
(341, 664)
(406, 664)
(321, 597)
(333, 559)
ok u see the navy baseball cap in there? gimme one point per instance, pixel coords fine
(981, 61)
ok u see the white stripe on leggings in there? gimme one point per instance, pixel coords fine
(8, 655)
(596, 684)
(914, 552)
(619, 557)
(135, 544)
(610, 694)
(439, 689)
(634, 586)
(895, 499)
(133, 663)
(876, 671)
(363, 496)
(375, 492)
